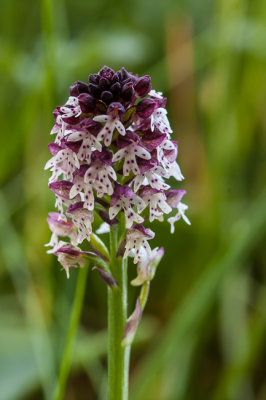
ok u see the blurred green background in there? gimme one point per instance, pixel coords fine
(202, 336)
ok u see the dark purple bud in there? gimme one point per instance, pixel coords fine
(152, 140)
(74, 146)
(61, 188)
(94, 90)
(106, 72)
(86, 102)
(146, 165)
(129, 138)
(115, 78)
(104, 83)
(107, 97)
(145, 125)
(106, 277)
(143, 86)
(72, 120)
(119, 191)
(54, 148)
(78, 88)
(75, 207)
(147, 191)
(128, 80)
(146, 107)
(94, 78)
(105, 156)
(127, 92)
(124, 73)
(81, 171)
(115, 88)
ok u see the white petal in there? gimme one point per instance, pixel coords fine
(113, 211)
(74, 191)
(102, 118)
(120, 127)
(49, 163)
(118, 155)
(75, 136)
(142, 153)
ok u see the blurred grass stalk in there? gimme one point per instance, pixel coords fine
(20, 273)
(71, 333)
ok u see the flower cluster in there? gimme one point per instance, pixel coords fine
(112, 154)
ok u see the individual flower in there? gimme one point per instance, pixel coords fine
(64, 161)
(180, 214)
(150, 174)
(61, 190)
(60, 228)
(156, 200)
(130, 148)
(137, 240)
(86, 134)
(82, 218)
(111, 122)
(147, 266)
(71, 256)
(124, 198)
(100, 174)
(160, 121)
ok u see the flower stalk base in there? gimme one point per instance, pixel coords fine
(118, 355)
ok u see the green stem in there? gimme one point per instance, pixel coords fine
(118, 355)
(71, 334)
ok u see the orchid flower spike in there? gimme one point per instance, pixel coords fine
(112, 148)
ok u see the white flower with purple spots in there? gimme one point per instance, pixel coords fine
(79, 185)
(71, 256)
(160, 121)
(64, 161)
(137, 242)
(157, 202)
(71, 108)
(130, 147)
(124, 198)
(60, 228)
(82, 219)
(111, 122)
(61, 190)
(101, 173)
(89, 144)
(98, 176)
